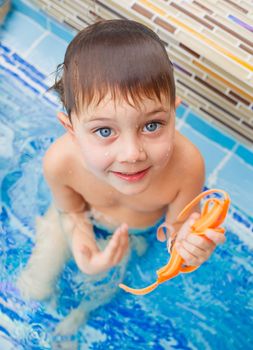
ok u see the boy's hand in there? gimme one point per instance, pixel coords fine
(195, 249)
(93, 261)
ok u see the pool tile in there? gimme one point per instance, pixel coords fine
(48, 53)
(236, 178)
(59, 30)
(211, 152)
(211, 132)
(181, 111)
(19, 32)
(245, 154)
(29, 10)
(42, 19)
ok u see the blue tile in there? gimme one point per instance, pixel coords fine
(19, 32)
(4, 49)
(181, 110)
(30, 11)
(21, 63)
(236, 178)
(211, 132)
(61, 31)
(245, 154)
(211, 152)
(245, 220)
(48, 54)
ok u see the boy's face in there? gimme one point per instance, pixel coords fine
(124, 146)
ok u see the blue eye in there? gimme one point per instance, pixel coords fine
(104, 132)
(151, 127)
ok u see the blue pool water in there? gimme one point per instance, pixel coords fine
(211, 308)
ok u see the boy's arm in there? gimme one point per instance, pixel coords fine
(191, 176)
(55, 173)
(67, 201)
(192, 248)
(192, 185)
(72, 206)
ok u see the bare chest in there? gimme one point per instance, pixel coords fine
(139, 210)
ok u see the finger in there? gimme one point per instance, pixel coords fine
(200, 241)
(119, 234)
(122, 246)
(120, 255)
(190, 259)
(111, 249)
(195, 216)
(115, 243)
(186, 227)
(164, 232)
(160, 233)
(123, 236)
(195, 251)
(216, 237)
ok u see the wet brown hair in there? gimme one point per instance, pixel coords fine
(122, 57)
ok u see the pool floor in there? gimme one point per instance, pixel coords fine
(211, 308)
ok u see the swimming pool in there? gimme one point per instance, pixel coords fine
(211, 308)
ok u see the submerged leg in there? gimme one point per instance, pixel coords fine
(50, 252)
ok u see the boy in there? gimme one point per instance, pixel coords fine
(121, 159)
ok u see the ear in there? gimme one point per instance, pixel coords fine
(64, 120)
(178, 102)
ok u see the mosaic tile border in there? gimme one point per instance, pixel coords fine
(26, 73)
(210, 44)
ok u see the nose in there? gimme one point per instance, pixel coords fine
(131, 150)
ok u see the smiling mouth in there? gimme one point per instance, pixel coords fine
(131, 177)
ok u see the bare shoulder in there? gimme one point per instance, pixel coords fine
(190, 161)
(59, 158)
(189, 172)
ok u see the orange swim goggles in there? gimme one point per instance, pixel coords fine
(213, 214)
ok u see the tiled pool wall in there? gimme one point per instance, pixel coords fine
(210, 43)
(229, 162)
